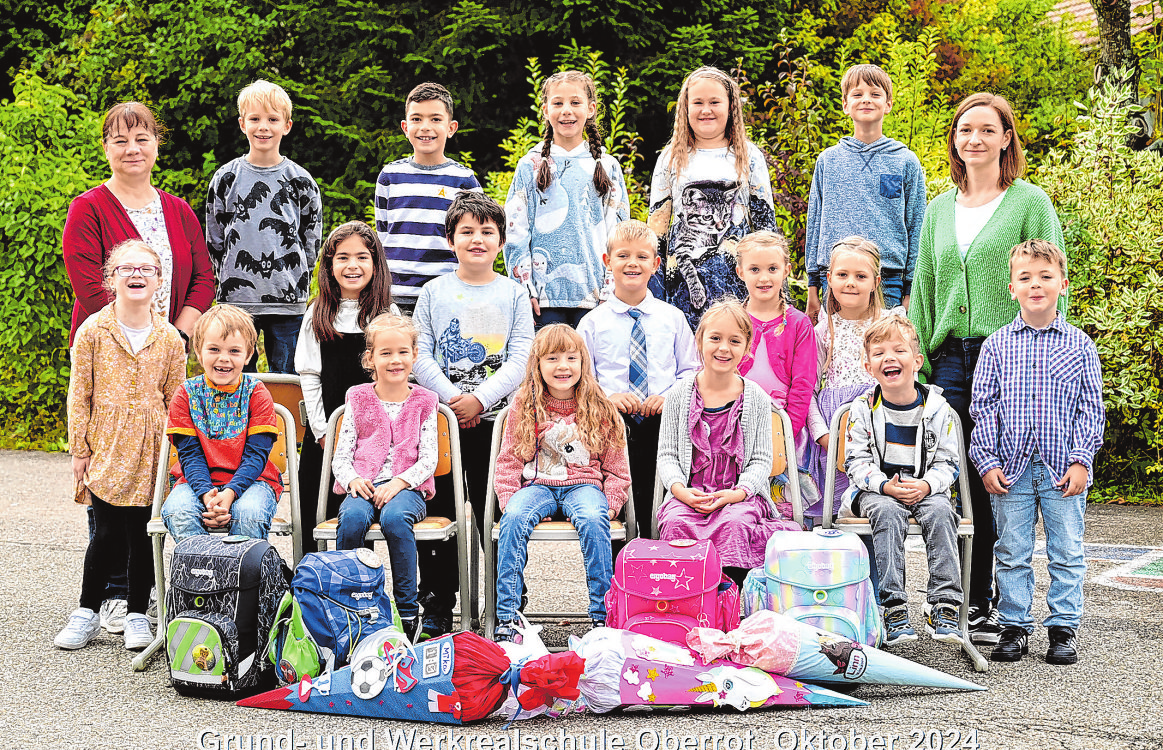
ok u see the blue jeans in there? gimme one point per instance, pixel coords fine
(892, 285)
(953, 364)
(356, 516)
(587, 508)
(1016, 514)
(280, 334)
(250, 514)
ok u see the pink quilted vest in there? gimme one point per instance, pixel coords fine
(376, 435)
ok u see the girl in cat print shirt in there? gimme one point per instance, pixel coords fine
(710, 188)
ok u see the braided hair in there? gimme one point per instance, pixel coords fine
(602, 182)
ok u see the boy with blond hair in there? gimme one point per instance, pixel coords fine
(637, 376)
(413, 194)
(902, 459)
(867, 185)
(264, 223)
(223, 424)
(1038, 421)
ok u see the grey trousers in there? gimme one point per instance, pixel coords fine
(889, 519)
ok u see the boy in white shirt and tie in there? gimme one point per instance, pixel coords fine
(640, 347)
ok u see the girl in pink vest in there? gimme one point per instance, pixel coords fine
(782, 357)
(386, 454)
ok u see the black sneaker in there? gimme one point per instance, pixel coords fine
(435, 626)
(411, 627)
(595, 624)
(1063, 645)
(983, 627)
(506, 632)
(1013, 643)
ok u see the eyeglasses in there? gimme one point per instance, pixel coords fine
(146, 271)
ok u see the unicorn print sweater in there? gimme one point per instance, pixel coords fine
(561, 459)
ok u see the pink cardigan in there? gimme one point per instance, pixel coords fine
(793, 358)
(97, 222)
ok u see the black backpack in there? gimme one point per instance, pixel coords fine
(220, 604)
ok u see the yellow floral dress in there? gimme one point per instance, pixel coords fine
(118, 403)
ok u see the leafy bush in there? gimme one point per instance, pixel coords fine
(1110, 200)
(48, 155)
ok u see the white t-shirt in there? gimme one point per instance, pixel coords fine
(136, 336)
(970, 221)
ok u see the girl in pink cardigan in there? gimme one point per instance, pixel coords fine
(782, 359)
(386, 454)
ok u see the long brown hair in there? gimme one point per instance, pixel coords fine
(602, 182)
(597, 418)
(1013, 160)
(682, 140)
(374, 299)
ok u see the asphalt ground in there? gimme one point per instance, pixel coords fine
(92, 699)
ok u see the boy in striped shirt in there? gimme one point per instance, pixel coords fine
(1037, 405)
(902, 459)
(414, 193)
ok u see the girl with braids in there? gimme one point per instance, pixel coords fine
(566, 196)
(710, 188)
(354, 287)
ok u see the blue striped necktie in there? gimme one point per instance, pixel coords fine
(638, 384)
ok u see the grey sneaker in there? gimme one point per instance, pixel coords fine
(506, 632)
(83, 626)
(151, 610)
(941, 623)
(113, 615)
(137, 632)
(897, 627)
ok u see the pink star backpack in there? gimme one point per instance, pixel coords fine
(665, 589)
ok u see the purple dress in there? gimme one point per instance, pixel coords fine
(739, 531)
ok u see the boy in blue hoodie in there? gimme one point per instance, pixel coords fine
(869, 186)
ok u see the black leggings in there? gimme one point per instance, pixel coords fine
(118, 528)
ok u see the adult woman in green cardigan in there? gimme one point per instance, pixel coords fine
(960, 287)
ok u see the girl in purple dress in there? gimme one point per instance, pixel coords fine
(714, 449)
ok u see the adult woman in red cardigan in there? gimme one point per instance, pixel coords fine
(127, 206)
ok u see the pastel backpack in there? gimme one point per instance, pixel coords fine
(820, 578)
(665, 589)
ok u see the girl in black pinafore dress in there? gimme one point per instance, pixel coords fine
(354, 287)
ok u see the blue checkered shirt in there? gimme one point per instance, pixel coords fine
(1037, 389)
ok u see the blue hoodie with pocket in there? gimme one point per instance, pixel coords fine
(874, 190)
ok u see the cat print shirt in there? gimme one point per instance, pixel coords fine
(473, 339)
(710, 212)
(263, 230)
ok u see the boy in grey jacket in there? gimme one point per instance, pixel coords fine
(902, 459)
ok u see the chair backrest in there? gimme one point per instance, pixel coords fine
(444, 448)
(778, 453)
(287, 391)
(842, 440)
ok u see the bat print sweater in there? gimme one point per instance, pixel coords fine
(263, 229)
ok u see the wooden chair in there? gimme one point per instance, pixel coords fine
(287, 391)
(287, 461)
(783, 444)
(621, 529)
(837, 442)
(432, 528)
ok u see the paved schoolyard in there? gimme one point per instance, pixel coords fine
(91, 698)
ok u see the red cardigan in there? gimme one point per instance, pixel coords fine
(97, 222)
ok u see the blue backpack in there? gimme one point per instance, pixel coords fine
(342, 599)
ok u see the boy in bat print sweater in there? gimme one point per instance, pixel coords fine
(264, 223)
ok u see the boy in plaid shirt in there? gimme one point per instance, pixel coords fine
(1037, 404)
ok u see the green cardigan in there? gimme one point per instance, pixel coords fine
(968, 298)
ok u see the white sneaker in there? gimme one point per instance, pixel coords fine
(113, 615)
(83, 626)
(137, 632)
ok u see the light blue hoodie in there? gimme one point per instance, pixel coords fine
(874, 190)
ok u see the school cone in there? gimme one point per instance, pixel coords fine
(630, 669)
(779, 644)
